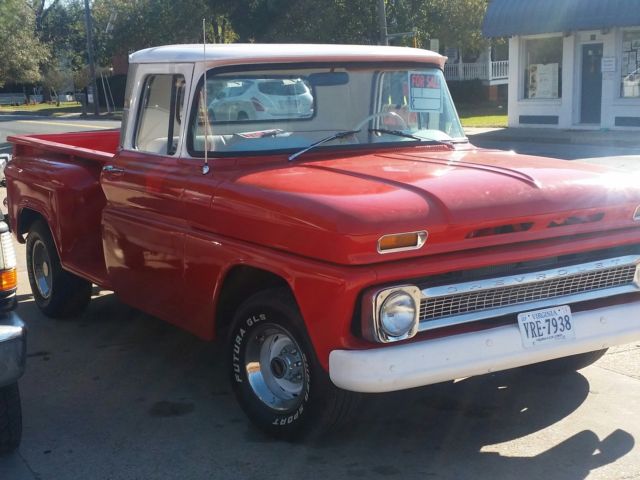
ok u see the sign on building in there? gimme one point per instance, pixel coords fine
(543, 80)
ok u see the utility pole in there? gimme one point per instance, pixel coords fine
(382, 18)
(385, 36)
(92, 66)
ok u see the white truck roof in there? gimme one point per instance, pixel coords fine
(251, 53)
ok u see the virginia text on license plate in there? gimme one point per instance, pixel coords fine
(549, 325)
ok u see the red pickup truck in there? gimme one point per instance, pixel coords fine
(320, 209)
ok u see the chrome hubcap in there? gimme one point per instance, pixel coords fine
(41, 268)
(275, 368)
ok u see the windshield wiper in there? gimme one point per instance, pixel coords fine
(400, 133)
(335, 136)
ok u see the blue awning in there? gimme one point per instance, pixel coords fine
(506, 18)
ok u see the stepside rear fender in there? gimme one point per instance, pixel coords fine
(64, 190)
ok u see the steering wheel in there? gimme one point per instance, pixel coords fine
(382, 114)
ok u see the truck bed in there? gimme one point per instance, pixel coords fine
(61, 174)
(94, 145)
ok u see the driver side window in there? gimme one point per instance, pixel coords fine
(161, 114)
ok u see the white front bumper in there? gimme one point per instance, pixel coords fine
(416, 364)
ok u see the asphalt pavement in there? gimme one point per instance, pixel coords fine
(117, 394)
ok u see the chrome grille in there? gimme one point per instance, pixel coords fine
(471, 303)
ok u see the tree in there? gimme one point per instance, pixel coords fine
(123, 26)
(63, 30)
(149, 23)
(21, 52)
(311, 21)
(41, 9)
(456, 23)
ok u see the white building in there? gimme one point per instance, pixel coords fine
(572, 63)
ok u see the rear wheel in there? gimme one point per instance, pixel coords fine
(275, 375)
(569, 364)
(10, 418)
(57, 293)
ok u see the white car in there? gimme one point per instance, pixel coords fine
(262, 99)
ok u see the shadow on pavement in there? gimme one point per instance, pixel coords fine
(448, 426)
(134, 397)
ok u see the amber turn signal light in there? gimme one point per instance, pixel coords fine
(399, 242)
(8, 279)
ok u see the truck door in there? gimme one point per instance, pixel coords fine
(144, 221)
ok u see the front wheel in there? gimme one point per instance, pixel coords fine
(10, 418)
(57, 293)
(275, 375)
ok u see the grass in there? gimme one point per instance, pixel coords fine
(489, 114)
(43, 108)
(51, 109)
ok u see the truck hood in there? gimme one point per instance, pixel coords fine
(336, 209)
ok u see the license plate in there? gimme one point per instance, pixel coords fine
(549, 325)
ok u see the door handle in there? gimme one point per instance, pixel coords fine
(112, 169)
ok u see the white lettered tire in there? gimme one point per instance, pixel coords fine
(274, 372)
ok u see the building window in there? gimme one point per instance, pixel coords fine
(630, 65)
(543, 68)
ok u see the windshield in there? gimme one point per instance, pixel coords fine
(293, 108)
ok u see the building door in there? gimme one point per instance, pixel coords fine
(591, 100)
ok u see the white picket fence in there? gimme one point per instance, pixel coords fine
(495, 73)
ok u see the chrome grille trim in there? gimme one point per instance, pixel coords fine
(458, 303)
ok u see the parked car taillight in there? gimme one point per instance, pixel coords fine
(257, 105)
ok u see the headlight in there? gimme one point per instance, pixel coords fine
(391, 314)
(397, 314)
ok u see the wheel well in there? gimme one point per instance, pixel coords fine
(240, 283)
(26, 218)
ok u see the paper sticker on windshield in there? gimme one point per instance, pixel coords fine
(425, 92)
